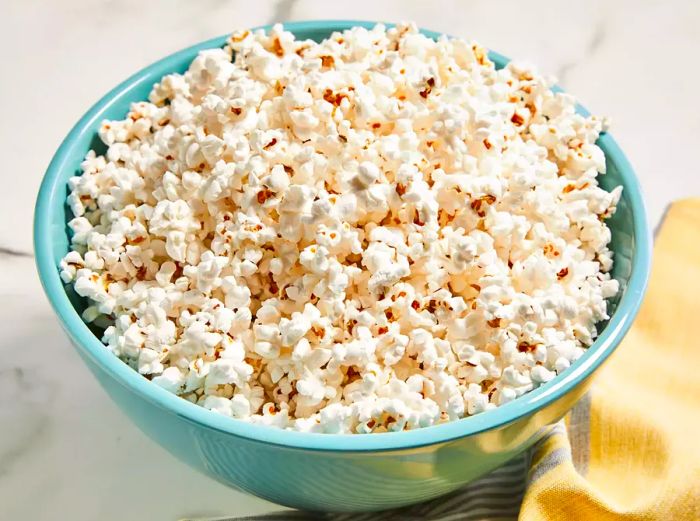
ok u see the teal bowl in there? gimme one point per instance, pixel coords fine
(326, 471)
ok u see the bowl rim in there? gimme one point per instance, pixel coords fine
(51, 193)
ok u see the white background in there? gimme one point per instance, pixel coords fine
(65, 450)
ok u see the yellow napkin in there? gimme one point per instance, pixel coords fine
(632, 449)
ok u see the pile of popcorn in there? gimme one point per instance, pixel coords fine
(373, 233)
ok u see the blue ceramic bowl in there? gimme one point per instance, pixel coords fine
(324, 471)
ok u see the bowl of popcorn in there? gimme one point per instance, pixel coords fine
(342, 266)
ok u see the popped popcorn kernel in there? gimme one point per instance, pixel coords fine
(373, 233)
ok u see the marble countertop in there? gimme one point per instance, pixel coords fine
(65, 449)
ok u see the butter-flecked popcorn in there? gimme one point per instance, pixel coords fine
(373, 233)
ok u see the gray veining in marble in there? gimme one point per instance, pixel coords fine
(598, 35)
(283, 11)
(15, 253)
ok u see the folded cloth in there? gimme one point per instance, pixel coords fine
(630, 448)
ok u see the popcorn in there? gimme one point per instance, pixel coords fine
(171, 379)
(373, 233)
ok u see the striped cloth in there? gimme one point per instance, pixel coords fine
(629, 450)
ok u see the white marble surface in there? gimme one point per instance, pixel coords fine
(65, 450)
